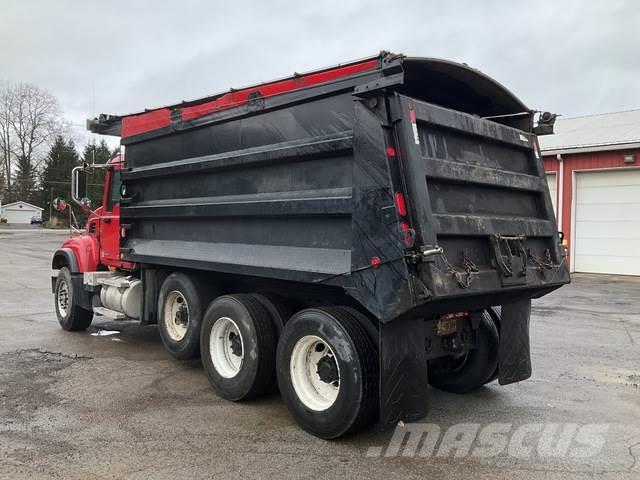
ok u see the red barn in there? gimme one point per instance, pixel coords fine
(593, 170)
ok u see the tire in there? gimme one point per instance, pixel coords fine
(181, 304)
(332, 406)
(368, 324)
(238, 345)
(474, 369)
(496, 315)
(70, 315)
(279, 311)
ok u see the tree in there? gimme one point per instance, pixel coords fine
(6, 107)
(59, 162)
(98, 154)
(29, 119)
(24, 187)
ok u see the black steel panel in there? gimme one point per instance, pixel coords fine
(306, 193)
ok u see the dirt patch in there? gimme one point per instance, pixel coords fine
(612, 376)
(25, 378)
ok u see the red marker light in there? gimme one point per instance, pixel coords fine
(391, 152)
(408, 237)
(375, 262)
(401, 207)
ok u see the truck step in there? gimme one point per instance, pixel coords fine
(106, 312)
(118, 282)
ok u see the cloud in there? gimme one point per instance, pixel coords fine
(571, 57)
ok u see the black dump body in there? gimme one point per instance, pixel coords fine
(303, 187)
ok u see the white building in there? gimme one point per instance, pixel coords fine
(19, 212)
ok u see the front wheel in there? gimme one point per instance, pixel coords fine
(472, 369)
(70, 315)
(327, 368)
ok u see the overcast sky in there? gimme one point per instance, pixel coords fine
(570, 57)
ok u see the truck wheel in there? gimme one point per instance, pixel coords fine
(278, 309)
(472, 369)
(238, 346)
(70, 315)
(181, 304)
(496, 315)
(327, 368)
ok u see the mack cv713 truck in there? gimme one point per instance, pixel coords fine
(351, 235)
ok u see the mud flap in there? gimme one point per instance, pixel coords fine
(514, 352)
(403, 372)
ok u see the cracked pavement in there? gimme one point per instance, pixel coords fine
(77, 405)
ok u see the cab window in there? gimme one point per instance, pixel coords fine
(114, 190)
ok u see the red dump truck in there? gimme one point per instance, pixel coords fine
(352, 234)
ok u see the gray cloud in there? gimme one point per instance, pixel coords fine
(572, 57)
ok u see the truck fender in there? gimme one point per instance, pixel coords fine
(64, 257)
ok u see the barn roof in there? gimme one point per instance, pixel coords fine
(592, 133)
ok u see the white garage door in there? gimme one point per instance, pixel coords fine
(19, 215)
(551, 180)
(607, 222)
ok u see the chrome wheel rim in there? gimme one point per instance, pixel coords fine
(226, 347)
(315, 373)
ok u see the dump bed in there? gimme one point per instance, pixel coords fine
(414, 186)
(481, 207)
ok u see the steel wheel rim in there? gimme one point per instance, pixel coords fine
(315, 373)
(226, 347)
(176, 315)
(62, 298)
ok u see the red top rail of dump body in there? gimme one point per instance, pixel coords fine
(136, 124)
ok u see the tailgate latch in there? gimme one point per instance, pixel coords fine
(510, 258)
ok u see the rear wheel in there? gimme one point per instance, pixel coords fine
(181, 304)
(70, 315)
(278, 309)
(496, 315)
(472, 369)
(327, 367)
(238, 346)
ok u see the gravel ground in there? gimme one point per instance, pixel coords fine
(98, 405)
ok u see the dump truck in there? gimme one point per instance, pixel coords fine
(349, 236)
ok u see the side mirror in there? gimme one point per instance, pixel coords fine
(59, 204)
(85, 203)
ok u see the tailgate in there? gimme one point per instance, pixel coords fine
(479, 205)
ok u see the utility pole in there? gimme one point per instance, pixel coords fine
(50, 204)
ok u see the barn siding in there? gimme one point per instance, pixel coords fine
(582, 161)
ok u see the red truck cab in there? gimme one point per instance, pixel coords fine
(99, 247)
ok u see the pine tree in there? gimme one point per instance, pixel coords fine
(25, 180)
(56, 174)
(98, 154)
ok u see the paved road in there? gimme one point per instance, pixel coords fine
(85, 405)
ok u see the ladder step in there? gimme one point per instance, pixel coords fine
(106, 312)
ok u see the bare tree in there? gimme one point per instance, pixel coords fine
(35, 119)
(29, 118)
(6, 107)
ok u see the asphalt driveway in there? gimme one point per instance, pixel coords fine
(111, 403)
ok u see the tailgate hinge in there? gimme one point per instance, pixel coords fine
(510, 258)
(425, 253)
